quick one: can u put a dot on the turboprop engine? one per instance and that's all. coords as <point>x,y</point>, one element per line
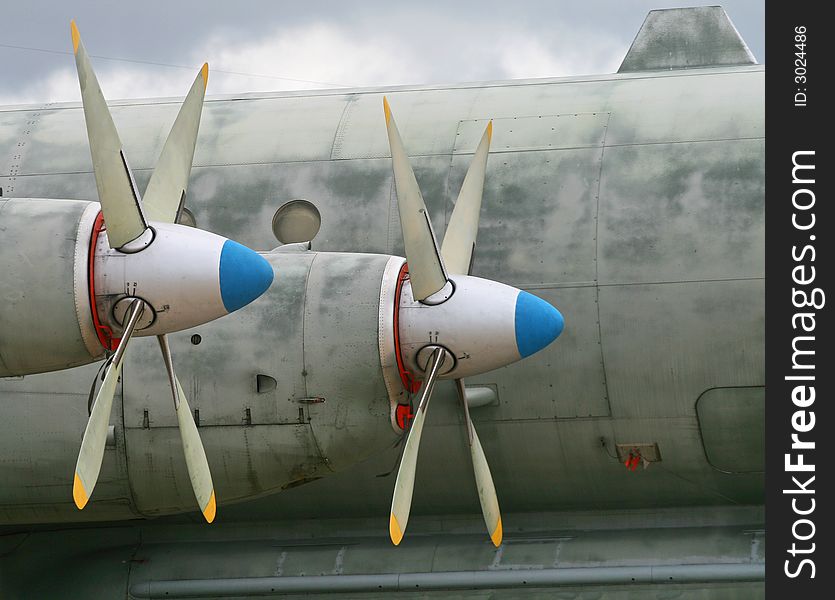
<point>449,324</point>
<point>80,279</point>
<point>64,291</point>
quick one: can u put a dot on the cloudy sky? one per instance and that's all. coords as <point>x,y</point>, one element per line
<point>145,48</point>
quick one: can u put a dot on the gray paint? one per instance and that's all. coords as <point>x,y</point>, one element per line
<point>644,229</point>
<point>449,581</point>
<point>732,422</point>
<point>39,308</point>
<point>329,408</point>
<point>686,38</point>
<point>643,224</point>
<point>646,220</point>
<point>707,546</point>
<point>44,419</point>
<point>342,358</point>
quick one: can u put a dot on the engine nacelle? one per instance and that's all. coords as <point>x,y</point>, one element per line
<point>306,386</point>
<point>46,318</point>
<point>483,325</point>
<point>64,292</point>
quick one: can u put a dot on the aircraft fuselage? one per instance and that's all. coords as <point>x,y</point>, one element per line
<point>633,202</point>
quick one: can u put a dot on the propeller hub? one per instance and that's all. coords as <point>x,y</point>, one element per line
<point>187,277</point>
<point>484,325</point>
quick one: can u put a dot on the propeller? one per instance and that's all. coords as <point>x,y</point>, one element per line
<point>478,325</point>
<point>160,277</point>
<point>426,267</point>
<point>114,179</point>
<point>95,435</point>
<point>401,503</point>
<point>198,467</point>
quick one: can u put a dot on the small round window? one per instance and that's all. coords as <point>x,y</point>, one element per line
<point>296,221</point>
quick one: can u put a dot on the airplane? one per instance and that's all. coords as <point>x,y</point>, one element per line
<point>627,455</point>
<point>156,279</point>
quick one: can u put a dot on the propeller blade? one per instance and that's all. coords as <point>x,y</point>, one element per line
<point>95,435</point>
<point>401,502</point>
<point>459,239</point>
<point>483,479</point>
<point>426,268</point>
<point>166,191</point>
<point>117,191</point>
<point>198,466</point>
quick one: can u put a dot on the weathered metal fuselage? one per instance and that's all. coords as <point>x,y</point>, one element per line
<point>633,202</point>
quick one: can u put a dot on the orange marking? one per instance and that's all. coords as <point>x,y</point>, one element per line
<point>496,536</point>
<point>211,509</point>
<point>387,110</point>
<point>205,73</point>
<point>76,38</point>
<point>394,530</point>
<point>78,493</point>
<point>489,132</point>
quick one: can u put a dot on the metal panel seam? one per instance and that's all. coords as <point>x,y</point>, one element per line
<point>339,132</point>
<point>596,267</point>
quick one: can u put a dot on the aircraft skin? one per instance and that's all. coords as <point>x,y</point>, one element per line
<point>633,202</point>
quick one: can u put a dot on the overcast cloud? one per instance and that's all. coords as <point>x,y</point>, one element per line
<point>317,44</point>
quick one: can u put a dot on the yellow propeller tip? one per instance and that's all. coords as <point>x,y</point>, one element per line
<point>78,493</point>
<point>387,109</point>
<point>496,536</point>
<point>489,131</point>
<point>205,73</point>
<point>395,532</point>
<point>76,38</point>
<point>211,509</point>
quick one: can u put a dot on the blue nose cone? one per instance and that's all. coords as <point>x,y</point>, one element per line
<point>244,275</point>
<point>537,324</point>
